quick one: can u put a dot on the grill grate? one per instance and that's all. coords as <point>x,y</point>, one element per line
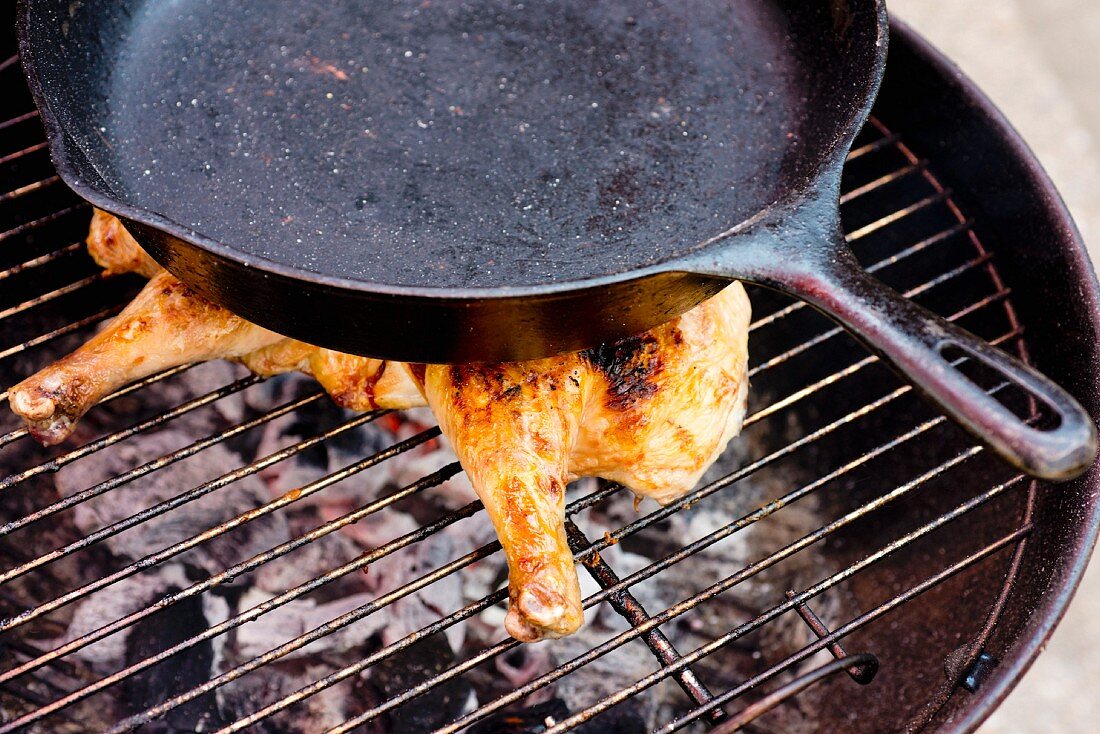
<point>895,213</point>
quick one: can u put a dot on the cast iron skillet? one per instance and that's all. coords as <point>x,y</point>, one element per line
<point>495,180</point>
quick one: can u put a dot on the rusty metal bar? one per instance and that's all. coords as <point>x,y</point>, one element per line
<point>892,547</point>
<point>882,181</point>
<point>862,620</point>
<point>789,690</point>
<point>862,673</point>
<point>41,259</point>
<point>630,609</point>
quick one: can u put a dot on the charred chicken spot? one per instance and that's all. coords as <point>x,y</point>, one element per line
<point>630,366</point>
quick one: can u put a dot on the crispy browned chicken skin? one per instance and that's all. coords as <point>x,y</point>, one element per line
<point>651,412</point>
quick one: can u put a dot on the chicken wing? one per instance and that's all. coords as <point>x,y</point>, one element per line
<point>651,411</point>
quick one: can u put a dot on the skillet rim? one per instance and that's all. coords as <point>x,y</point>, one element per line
<point>65,153</point>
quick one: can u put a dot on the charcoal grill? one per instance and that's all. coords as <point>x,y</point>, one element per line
<point>951,568</point>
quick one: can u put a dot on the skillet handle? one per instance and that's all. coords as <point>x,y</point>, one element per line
<point>913,339</point>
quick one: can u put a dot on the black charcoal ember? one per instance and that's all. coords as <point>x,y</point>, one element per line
<point>176,674</point>
<point>157,533</point>
<point>415,664</point>
<point>536,719</point>
<point>122,599</point>
<point>337,452</point>
<point>531,720</point>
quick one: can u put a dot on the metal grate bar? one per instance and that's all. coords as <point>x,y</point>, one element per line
<point>10,61</point>
<point>36,223</point>
<point>182,499</point>
<point>54,294</point>
<point>133,386</point>
<point>614,537</point>
<point>21,153</point>
<point>29,188</point>
<point>630,609</point>
<point>897,216</point>
<point>863,619</point>
<point>101,443</point>
<point>60,332</point>
<point>18,118</point>
<point>41,260</point>
<point>160,462</point>
<point>785,606</point>
<point>766,704</point>
<point>882,181</point>
<point>873,147</point>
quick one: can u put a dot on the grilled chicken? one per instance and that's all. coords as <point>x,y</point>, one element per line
<point>651,412</point>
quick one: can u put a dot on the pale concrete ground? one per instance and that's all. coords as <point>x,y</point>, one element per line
<point>1039,60</point>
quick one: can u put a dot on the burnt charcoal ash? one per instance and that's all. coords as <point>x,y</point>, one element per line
<point>159,532</point>
<point>175,674</point>
<point>538,718</point>
<point>415,664</point>
<point>299,616</point>
<point>330,707</point>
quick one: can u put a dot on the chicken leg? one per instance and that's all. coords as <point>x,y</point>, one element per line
<point>652,412</point>
<point>166,325</point>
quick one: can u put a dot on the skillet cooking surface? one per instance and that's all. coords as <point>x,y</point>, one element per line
<point>478,144</point>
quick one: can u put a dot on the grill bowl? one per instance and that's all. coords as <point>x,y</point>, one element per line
<point>929,553</point>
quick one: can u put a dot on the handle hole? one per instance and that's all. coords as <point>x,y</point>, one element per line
<point>1024,404</point>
